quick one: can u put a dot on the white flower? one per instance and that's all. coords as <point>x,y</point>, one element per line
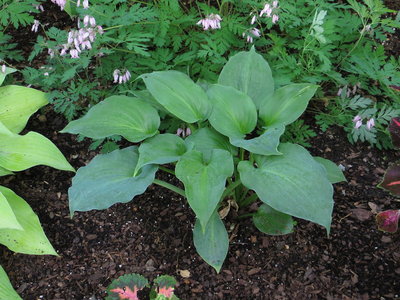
<point>370,123</point>
<point>3,68</point>
<point>35,26</point>
<point>212,21</point>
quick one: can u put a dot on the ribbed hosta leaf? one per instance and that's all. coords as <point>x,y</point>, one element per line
<point>109,179</point>
<point>17,104</point>
<point>292,183</point>
<point>129,117</point>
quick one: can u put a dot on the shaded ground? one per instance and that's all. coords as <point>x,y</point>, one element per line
<point>153,235</point>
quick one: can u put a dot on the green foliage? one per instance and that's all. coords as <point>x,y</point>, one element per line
<point>225,156</point>
<point>20,229</point>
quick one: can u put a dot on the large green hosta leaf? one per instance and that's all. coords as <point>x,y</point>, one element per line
<point>17,104</point>
<point>109,179</point>
<point>160,149</point>
<point>265,144</point>
<point>204,180</point>
<point>7,292</point>
<point>20,152</point>
<point>130,117</point>
<point>250,73</point>
<point>212,243</point>
<point>292,183</point>
<point>333,172</point>
<point>4,172</point>
<point>30,240</point>
<point>178,94</point>
<point>272,222</point>
<point>206,139</point>
<point>234,113</point>
<point>7,218</point>
<point>287,104</point>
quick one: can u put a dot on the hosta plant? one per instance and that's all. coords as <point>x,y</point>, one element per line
<point>388,220</point>
<point>20,229</point>
<point>128,286</point>
<point>232,154</point>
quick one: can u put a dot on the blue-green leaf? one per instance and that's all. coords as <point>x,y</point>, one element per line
<point>287,104</point>
<point>204,180</point>
<point>292,183</point>
<point>6,289</point>
<point>130,117</point>
<point>265,144</point>
<point>250,73</point>
<point>334,173</point>
<point>178,94</point>
<point>206,139</point>
<point>234,113</point>
<point>109,179</point>
<point>160,149</point>
<point>212,243</point>
<point>272,222</point>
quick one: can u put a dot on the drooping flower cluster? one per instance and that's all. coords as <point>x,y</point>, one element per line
<point>358,122</point>
<point>349,91</point>
<point>119,77</point>
<point>270,11</point>
<point>79,40</point>
<point>35,26</point>
<point>60,3</point>
<point>251,33</point>
<point>212,21</point>
<point>182,133</point>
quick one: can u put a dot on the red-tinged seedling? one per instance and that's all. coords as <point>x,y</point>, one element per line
<point>126,287</point>
<point>388,220</point>
<point>164,287</point>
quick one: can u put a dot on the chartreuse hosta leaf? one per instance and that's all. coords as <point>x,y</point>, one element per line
<point>3,75</point>
<point>7,218</point>
<point>17,104</point>
<point>4,172</point>
<point>20,152</point>
<point>272,222</point>
<point>250,73</point>
<point>212,243</point>
<point>204,180</point>
<point>292,183</point>
<point>126,287</point>
<point>109,179</point>
<point>6,289</point>
<point>265,144</point>
<point>30,240</point>
<point>287,104</point>
<point>130,117</point>
<point>205,139</point>
<point>160,149</point>
<point>334,173</point>
<point>234,113</point>
<point>178,94</point>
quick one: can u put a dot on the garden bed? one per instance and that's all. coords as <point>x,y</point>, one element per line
<point>152,235</point>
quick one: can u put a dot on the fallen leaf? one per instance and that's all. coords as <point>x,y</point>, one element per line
<point>184,273</point>
<point>361,214</point>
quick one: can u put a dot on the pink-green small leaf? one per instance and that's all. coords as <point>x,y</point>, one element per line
<point>388,220</point>
<point>394,129</point>
<point>126,287</point>
<point>391,180</point>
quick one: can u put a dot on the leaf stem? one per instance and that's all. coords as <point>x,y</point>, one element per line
<point>166,170</point>
<point>249,200</point>
<point>230,188</point>
<point>170,187</point>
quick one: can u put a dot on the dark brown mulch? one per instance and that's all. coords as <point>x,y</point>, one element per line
<point>152,235</point>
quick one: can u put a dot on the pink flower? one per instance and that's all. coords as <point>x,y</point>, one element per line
<point>35,26</point>
<point>370,124</point>
<point>250,34</point>
<point>212,21</point>
<point>358,124</point>
<point>3,68</point>
<point>74,53</point>
<point>275,4</point>
<point>121,78</point>
<point>253,20</point>
<point>275,18</point>
<point>357,118</point>
<point>60,3</point>
<point>85,4</point>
